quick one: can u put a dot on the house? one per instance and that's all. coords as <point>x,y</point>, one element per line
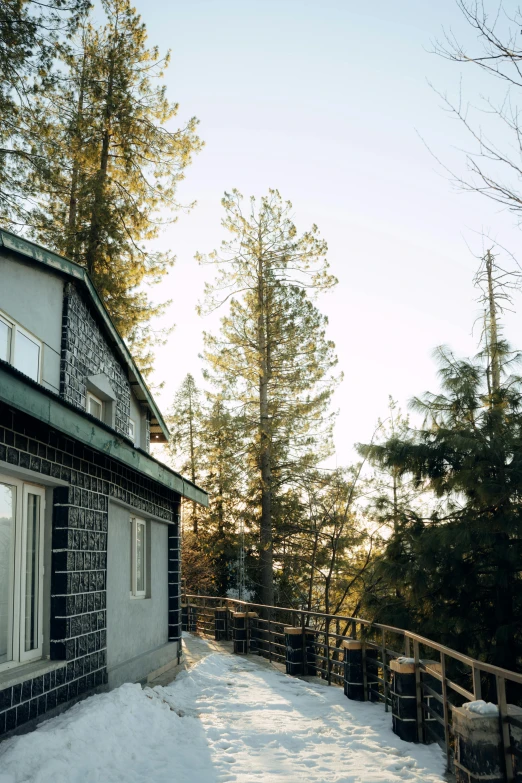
<point>89,520</point>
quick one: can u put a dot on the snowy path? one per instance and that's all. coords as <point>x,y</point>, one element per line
<point>226,719</point>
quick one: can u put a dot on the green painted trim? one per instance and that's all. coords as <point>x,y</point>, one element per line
<point>48,408</point>
<point>78,273</point>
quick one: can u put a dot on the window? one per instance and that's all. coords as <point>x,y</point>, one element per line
<point>20,348</point>
<point>139,559</point>
<point>21,571</point>
<point>132,429</point>
<point>94,406</point>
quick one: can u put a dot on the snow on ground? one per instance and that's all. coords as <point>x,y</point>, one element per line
<point>226,719</point>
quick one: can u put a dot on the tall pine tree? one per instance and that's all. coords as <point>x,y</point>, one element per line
<point>272,359</point>
<point>454,573</point>
<point>117,165</point>
<point>31,34</point>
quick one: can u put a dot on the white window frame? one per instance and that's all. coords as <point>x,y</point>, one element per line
<point>19,654</point>
<point>91,396</point>
<point>132,429</point>
<point>136,523</point>
<point>15,328</point>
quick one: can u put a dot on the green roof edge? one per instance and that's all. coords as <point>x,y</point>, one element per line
<point>26,396</point>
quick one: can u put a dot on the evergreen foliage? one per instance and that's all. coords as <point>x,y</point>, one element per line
<point>206,446</point>
<point>271,362</point>
<point>454,573</point>
<point>115,161</point>
<point>29,35</point>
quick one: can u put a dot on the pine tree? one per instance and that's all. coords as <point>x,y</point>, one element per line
<point>30,35</point>
<point>185,420</point>
<point>205,445</point>
<point>272,360</point>
<point>458,567</point>
<point>117,165</point>
<point>224,481</point>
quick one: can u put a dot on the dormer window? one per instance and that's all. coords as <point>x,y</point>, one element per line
<point>20,348</point>
<point>94,406</point>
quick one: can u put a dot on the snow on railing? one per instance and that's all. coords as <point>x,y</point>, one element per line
<point>432,699</point>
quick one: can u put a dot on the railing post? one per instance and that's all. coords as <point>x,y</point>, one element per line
<point>445,710</point>
<point>384,674</point>
<point>407,646</point>
<point>305,649</point>
<point>477,683</point>
<point>364,671</point>
<point>418,691</point>
<point>327,650</point>
<point>504,728</point>
<point>269,616</point>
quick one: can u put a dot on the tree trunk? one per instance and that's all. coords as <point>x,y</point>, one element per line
<point>493,327</point>
<point>265,457</point>
<point>71,244</point>
<point>192,464</point>
<point>312,572</point>
<point>101,177</point>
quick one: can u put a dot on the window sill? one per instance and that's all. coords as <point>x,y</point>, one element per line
<point>140,597</point>
<point>28,671</point>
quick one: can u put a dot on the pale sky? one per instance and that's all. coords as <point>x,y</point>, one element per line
<point>325,101</point>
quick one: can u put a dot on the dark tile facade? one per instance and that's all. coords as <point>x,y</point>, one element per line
<point>85,352</point>
<point>79,558</point>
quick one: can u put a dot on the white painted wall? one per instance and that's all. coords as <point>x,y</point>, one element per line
<point>33,297</point>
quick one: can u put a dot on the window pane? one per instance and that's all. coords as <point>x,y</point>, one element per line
<point>5,341</point>
<point>140,558</point>
<point>95,407</point>
<point>7,541</point>
<point>32,556</point>
<point>27,355</point>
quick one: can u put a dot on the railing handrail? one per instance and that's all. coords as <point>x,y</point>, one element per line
<point>474,663</point>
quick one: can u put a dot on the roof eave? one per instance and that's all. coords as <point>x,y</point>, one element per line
<point>27,396</point>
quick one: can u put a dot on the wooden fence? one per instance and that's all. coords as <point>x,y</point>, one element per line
<point>461,678</point>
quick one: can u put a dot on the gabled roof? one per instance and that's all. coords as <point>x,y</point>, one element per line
<point>158,428</point>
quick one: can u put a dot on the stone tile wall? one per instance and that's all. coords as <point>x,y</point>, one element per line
<point>85,352</point>
<point>79,558</point>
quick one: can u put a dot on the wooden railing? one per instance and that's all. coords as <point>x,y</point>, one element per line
<point>461,678</point>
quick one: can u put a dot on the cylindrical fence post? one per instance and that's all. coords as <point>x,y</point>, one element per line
<point>253,633</point>
<point>353,670</point>
<point>294,651</point>
<point>479,749</point>
<point>404,699</point>
<point>240,633</point>
<point>300,652</point>
<point>220,623</point>
<point>405,692</point>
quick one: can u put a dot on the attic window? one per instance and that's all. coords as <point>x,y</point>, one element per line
<point>19,348</point>
<point>94,406</point>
